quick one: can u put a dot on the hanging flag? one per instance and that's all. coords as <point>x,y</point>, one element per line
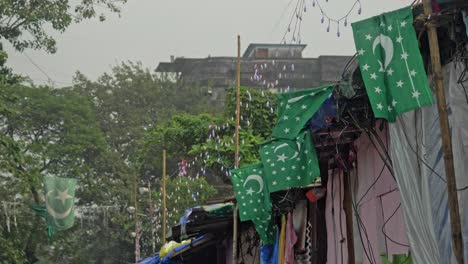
<point>59,210</point>
<point>251,192</point>
<point>266,230</point>
<point>391,64</point>
<point>60,201</point>
<point>290,163</point>
<point>296,108</point>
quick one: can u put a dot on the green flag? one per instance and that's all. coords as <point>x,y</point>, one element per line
<point>266,230</point>
<point>290,163</point>
<point>59,198</point>
<point>251,192</point>
<point>391,64</point>
<point>296,108</point>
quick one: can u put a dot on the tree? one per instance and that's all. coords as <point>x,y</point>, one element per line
<point>58,135</point>
<point>207,142</point>
<point>131,100</point>
<point>24,23</point>
<point>176,136</point>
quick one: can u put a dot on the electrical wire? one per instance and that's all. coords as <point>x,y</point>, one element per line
<point>385,223</point>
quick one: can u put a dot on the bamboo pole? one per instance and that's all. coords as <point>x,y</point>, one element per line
<point>349,217</point>
<point>164,198</point>
<point>137,231</point>
<point>151,209</point>
<point>236,155</point>
<point>446,140</point>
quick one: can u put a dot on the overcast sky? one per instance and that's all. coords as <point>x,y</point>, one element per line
<point>150,31</point>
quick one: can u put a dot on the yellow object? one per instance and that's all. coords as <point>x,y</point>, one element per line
<point>282,240</point>
<point>169,246</point>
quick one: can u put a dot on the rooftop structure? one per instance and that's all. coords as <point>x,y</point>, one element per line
<point>278,67</point>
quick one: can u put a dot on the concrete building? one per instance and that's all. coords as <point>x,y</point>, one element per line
<point>277,67</point>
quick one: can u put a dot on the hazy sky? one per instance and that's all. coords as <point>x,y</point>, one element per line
<point>151,30</point>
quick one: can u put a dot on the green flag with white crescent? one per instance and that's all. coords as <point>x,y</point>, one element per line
<point>266,230</point>
<point>391,65</point>
<point>296,108</point>
<point>290,163</point>
<point>251,192</point>
<point>60,200</point>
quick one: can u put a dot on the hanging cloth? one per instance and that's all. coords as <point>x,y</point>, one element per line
<point>291,239</point>
<point>282,240</point>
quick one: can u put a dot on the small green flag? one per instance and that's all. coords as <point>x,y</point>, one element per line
<point>59,198</point>
<point>296,108</point>
<point>391,64</point>
<point>251,192</point>
<point>290,163</point>
<point>266,230</point>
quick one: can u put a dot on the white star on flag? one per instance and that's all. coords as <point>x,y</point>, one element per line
<point>413,73</point>
<point>404,55</point>
<point>303,107</point>
<point>365,67</point>
<point>373,76</point>
<point>298,177</point>
<point>382,24</point>
<point>378,90</point>
<point>282,157</point>
<point>399,39</point>
<point>298,119</point>
<point>390,71</point>
<point>416,94</point>
<point>63,196</point>
<point>368,37</point>
<point>293,167</point>
<point>288,106</point>
<point>390,28</point>
<point>400,83</point>
<point>272,165</point>
<point>394,103</point>
<point>379,106</point>
<point>274,172</point>
<point>283,169</point>
<point>286,130</point>
<point>285,117</point>
<point>274,183</point>
<point>361,52</point>
<point>288,178</point>
<point>250,191</point>
<point>403,24</point>
<point>389,108</point>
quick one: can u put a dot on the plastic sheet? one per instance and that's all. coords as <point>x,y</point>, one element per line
<point>419,168</point>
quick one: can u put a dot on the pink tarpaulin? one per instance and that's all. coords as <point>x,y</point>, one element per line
<point>377,198</point>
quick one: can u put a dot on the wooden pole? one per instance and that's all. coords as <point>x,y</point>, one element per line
<point>349,218</point>
<point>151,210</point>
<point>164,197</point>
<point>236,155</point>
<point>446,140</point>
<point>137,230</point>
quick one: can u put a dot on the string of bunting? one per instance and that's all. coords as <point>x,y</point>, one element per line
<point>301,8</point>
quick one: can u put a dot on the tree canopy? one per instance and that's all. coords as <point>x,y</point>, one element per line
<point>28,23</point>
